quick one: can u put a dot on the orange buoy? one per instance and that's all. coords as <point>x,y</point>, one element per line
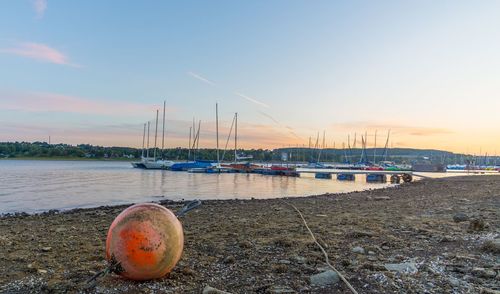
<point>146,241</point>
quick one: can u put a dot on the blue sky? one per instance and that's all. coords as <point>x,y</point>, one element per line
<point>94,72</point>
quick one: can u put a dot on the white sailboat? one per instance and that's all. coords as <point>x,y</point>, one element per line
<point>218,169</point>
<point>154,163</point>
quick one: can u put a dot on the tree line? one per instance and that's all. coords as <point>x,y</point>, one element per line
<point>398,155</point>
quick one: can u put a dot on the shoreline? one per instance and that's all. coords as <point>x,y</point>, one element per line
<point>261,246</point>
<point>69,159</point>
<point>171,202</point>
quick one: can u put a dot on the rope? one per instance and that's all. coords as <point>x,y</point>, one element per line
<point>321,247</point>
<point>188,207</point>
<point>113,267</point>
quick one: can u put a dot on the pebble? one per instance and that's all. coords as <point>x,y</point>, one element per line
<point>358,250</point>
<point>405,267</point>
<point>446,238</point>
<point>460,217</point>
<point>483,273</point>
<point>325,278</point>
<point>229,259</point>
<point>245,244</point>
<point>42,271</point>
<point>477,224</point>
<point>489,291</point>
<point>281,290</point>
<point>491,246</point>
<point>454,282</point>
<point>298,259</point>
<point>211,290</point>
<point>46,249</point>
<point>382,198</point>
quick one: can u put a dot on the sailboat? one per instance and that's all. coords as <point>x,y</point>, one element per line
<point>241,163</point>
<point>140,164</point>
<point>154,163</point>
<point>192,165</point>
<point>218,169</point>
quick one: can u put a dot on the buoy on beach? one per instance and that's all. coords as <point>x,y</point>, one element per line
<point>145,241</point>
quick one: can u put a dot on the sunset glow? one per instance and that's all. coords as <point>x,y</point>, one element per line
<point>87,72</point>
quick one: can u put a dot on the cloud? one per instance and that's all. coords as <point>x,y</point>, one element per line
<point>200,78</point>
<point>39,52</point>
<point>52,102</point>
<point>270,117</point>
<point>252,100</point>
<point>40,6</point>
<point>289,129</point>
<point>126,134</point>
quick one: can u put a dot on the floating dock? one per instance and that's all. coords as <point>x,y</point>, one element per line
<point>371,175</point>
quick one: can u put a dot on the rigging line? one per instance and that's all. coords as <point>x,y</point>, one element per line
<point>228,137</point>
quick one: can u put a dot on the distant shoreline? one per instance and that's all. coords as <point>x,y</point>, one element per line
<point>64,158</point>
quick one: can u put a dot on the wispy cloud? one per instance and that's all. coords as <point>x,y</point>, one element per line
<point>270,117</point>
<point>252,100</point>
<point>51,102</point>
<point>200,78</point>
<point>40,6</point>
<point>289,129</point>
<point>39,52</point>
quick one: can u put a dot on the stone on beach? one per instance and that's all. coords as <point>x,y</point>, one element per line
<point>325,278</point>
<point>212,290</point>
<point>492,246</point>
<point>405,267</point>
<point>460,217</point>
<point>358,250</point>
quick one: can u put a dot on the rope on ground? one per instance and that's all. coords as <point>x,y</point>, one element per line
<point>321,247</point>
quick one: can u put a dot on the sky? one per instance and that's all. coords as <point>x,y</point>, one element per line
<point>96,71</point>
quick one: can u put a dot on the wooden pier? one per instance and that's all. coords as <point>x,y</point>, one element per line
<point>372,175</point>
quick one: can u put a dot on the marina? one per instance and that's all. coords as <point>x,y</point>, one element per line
<point>267,147</point>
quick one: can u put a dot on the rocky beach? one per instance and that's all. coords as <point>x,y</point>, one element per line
<point>429,236</point>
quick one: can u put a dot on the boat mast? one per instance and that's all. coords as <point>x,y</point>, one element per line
<point>235,137</point>
<point>198,136</point>
<point>310,153</point>
<point>349,146</point>
<point>217,131</point>
<point>386,145</point>
<point>317,142</point>
<point>375,148</point>
<point>196,141</point>
<point>189,146</point>
<point>147,150</point>
<point>345,154</point>
<point>362,149</point>
<point>156,133</point>
<point>163,134</point>
<point>143,138</point>
<point>323,146</point>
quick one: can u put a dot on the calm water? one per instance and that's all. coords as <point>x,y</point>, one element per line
<point>34,186</point>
